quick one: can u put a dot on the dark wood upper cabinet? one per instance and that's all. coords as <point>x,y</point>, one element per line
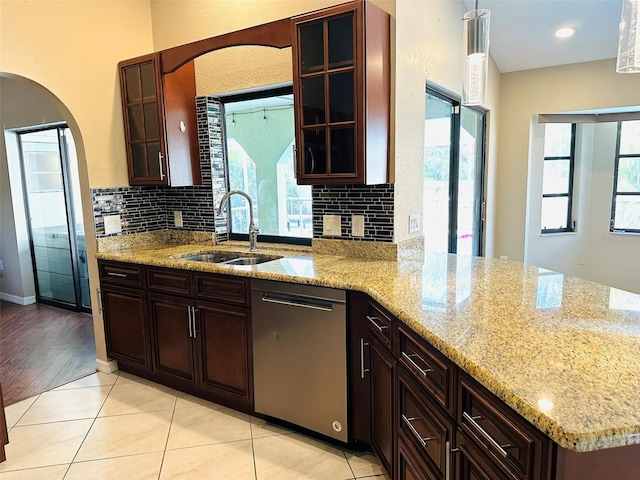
<point>341,80</point>
<point>341,95</point>
<point>160,123</point>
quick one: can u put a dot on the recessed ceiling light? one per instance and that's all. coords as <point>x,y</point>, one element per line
<point>565,32</point>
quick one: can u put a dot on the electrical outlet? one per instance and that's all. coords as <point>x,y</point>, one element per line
<point>1,266</point>
<point>331,225</point>
<point>177,218</point>
<point>414,223</point>
<point>504,257</point>
<point>112,224</point>
<point>357,225</point>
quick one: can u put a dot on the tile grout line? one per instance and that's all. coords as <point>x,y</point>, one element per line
<point>344,454</point>
<point>166,443</point>
<point>23,413</point>
<point>253,451</point>
<point>92,424</point>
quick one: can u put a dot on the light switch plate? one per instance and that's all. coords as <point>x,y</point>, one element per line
<point>414,223</point>
<point>177,218</point>
<point>112,224</point>
<point>331,225</point>
<point>357,225</point>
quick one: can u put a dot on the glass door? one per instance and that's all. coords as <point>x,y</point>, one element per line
<point>328,92</point>
<point>453,176</point>
<point>52,196</point>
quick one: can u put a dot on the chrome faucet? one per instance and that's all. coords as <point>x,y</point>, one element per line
<point>253,228</point>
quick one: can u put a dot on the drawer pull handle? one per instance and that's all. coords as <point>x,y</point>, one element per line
<point>115,274</point>
<point>483,432</point>
<point>375,324</point>
<point>420,438</point>
<point>415,365</point>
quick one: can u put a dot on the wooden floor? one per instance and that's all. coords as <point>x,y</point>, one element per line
<point>42,347</point>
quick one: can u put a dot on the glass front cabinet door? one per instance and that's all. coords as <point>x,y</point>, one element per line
<point>160,123</point>
<point>341,84</point>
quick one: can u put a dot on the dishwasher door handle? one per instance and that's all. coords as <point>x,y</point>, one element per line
<point>294,301</point>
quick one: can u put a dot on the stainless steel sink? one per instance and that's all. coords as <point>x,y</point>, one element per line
<point>232,259</point>
<point>210,257</point>
<point>248,261</point>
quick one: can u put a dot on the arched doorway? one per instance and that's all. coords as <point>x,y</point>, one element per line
<point>29,107</point>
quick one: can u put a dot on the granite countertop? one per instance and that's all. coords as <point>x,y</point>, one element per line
<point>563,352</point>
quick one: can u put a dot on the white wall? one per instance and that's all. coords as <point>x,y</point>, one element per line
<point>565,88</point>
<point>23,105</point>
<point>429,48</point>
<point>563,252</point>
<point>592,252</point>
<point>612,258</point>
<point>70,50</point>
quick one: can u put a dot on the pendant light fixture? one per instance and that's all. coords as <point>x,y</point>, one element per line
<point>629,43</point>
<point>476,56</point>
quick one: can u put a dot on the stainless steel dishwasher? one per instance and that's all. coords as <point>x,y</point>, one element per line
<point>300,355</point>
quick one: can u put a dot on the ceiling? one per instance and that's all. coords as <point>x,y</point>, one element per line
<point>521,31</point>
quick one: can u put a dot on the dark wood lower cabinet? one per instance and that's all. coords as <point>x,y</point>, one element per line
<point>423,417</point>
<point>473,464</point>
<point>169,331</point>
<point>409,467</point>
<point>172,343</point>
<point>125,322</point>
<point>223,334</point>
<point>382,402</point>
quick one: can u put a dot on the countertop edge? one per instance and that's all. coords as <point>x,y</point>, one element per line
<point>578,442</point>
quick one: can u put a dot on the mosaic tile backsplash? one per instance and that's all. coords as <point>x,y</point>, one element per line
<point>146,209</point>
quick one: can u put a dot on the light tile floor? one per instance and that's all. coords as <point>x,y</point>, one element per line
<point>119,426</point>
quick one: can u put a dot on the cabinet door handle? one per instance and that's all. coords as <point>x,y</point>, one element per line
<point>295,160</point>
<point>423,371</point>
<point>160,158</point>
<point>189,321</point>
<point>313,160</point>
<point>415,432</point>
<point>447,459</point>
<point>362,369</point>
<point>472,421</point>
<point>193,321</point>
<point>100,305</point>
<point>115,274</point>
<point>375,324</point>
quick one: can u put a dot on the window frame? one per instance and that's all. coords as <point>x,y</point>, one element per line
<point>615,191</point>
<point>571,224</point>
<point>454,169</point>
<point>238,97</point>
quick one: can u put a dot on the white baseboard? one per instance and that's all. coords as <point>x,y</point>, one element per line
<point>16,299</point>
<point>106,367</point>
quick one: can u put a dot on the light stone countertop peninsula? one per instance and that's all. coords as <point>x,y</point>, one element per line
<point>563,352</point>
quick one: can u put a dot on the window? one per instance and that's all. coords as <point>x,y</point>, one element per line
<point>453,175</point>
<point>259,141</point>
<point>557,178</point>
<point>625,210</point>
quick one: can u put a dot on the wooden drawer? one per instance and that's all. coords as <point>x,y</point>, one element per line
<point>223,288</point>
<point>430,368</point>
<point>409,466</point>
<point>169,281</point>
<point>422,425</point>
<point>510,441</point>
<point>380,324</point>
<point>128,274</point>
<point>472,464</point>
